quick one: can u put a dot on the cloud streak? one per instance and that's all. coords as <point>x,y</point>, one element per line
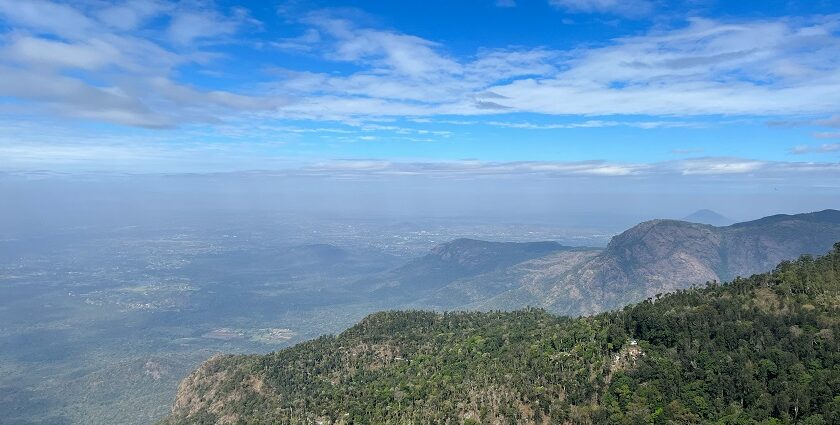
<point>696,167</point>
<point>627,8</point>
<point>824,148</point>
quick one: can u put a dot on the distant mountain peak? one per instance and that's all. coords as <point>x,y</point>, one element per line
<point>707,216</point>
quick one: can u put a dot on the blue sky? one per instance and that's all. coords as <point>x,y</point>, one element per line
<point>550,87</point>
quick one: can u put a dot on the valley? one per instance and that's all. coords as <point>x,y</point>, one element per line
<point>99,324</point>
<point>494,212</point>
<point>119,318</point>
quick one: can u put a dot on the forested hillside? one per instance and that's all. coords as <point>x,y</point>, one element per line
<point>761,350</point>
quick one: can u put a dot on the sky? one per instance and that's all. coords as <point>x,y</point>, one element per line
<point>719,92</point>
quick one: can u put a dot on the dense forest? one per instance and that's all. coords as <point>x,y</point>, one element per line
<point>757,350</point>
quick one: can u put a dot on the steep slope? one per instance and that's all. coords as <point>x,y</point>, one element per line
<point>451,261</point>
<point>661,256</point>
<point>759,350</point>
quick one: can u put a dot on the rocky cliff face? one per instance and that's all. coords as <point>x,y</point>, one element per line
<point>665,255</point>
<point>654,257</point>
<point>204,395</point>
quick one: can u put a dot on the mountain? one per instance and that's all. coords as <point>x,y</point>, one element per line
<point>761,350</point>
<point>661,256</point>
<point>451,261</point>
<point>472,291</point>
<point>705,216</point>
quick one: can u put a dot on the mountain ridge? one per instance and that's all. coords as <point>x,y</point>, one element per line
<point>454,260</point>
<point>660,256</point>
<point>655,256</point>
<point>755,350</point>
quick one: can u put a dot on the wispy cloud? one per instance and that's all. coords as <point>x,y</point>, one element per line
<point>123,63</point>
<point>303,42</point>
<point>106,62</point>
<point>629,8</point>
<point>696,167</point>
<point>474,168</point>
<point>827,135</point>
<point>596,124</point>
<point>717,166</point>
<point>824,148</point>
<point>831,121</point>
<point>705,68</point>
<point>243,145</point>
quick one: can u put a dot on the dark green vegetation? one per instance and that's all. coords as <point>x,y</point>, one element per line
<point>761,350</point>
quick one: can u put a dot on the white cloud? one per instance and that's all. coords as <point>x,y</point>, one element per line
<point>400,53</point>
<point>774,67</point>
<point>827,135</point>
<point>46,16</point>
<point>401,72</point>
<point>594,124</point>
<point>630,8</point>
<point>132,14</point>
<point>87,55</point>
<point>706,68</point>
<point>96,51</point>
<point>717,166</point>
<point>100,62</point>
<point>705,167</point>
<point>303,42</point>
<point>187,27</point>
<point>243,145</point>
<point>824,148</point>
<point>477,168</point>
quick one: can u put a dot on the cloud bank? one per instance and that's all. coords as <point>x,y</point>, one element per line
<point>124,63</point>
